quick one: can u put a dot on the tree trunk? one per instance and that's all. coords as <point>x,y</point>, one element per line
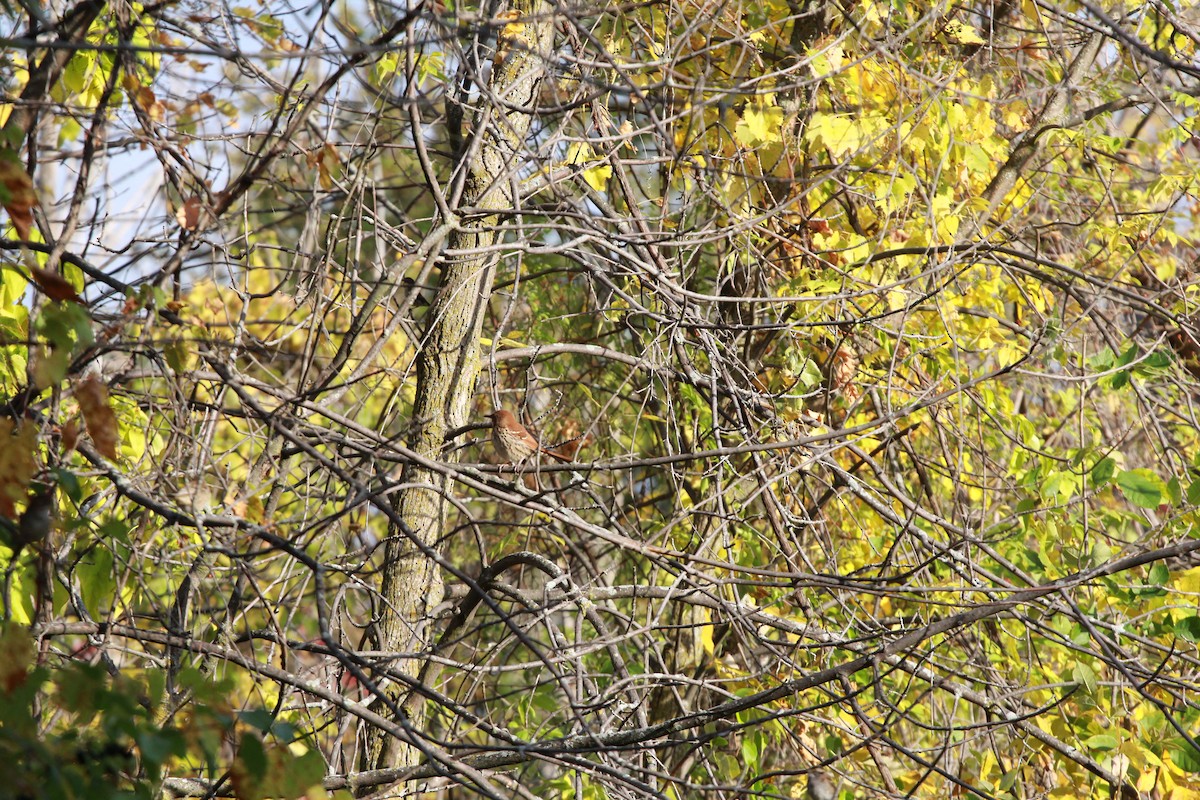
<point>448,361</point>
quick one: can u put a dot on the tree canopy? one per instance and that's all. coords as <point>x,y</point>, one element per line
<point>869,331</point>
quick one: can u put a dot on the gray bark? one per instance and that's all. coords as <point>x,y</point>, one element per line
<point>449,359</point>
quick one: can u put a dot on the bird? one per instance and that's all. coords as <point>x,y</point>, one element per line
<point>821,787</point>
<point>35,522</point>
<point>513,442</point>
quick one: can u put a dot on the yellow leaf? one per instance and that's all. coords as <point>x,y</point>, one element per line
<point>1013,118</point>
<point>597,177</point>
<point>987,764</point>
<point>1188,581</point>
<point>844,134</point>
<point>963,34</point>
<point>827,60</point>
<point>580,153</point>
<point>706,639</point>
<point>512,30</point>
<point>835,131</point>
<point>761,123</point>
<point>21,597</point>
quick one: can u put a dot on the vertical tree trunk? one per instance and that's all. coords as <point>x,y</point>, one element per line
<point>448,362</point>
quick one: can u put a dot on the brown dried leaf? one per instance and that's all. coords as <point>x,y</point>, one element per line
<point>842,372</point>
<point>98,416</point>
<point>16,657</point>
<point>70,436</point>
<point>55,286</point>
<point>327,166</point>
<point>148,101</point>
<point>16,192</point>
<point>188,214</point>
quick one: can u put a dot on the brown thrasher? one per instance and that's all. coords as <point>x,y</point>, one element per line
<point>513,442</point>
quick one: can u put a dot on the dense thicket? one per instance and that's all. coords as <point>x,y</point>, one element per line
<point>870,329</point>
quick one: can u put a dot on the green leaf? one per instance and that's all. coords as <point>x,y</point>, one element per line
<point>1101,741</point>
<point>157,746</point>
<point>750,750</point>
<point>1146,592</point>
<point>1080,637</point>
<point>1103,361</point>
<point>1084,675</point>
<point>385,69</point>
<point>1103,471</point>
<point>275,771</point>
<point>1184,756</point>
<point>116,530</point>
<point>1188,628</point>
<point>1142,487</point>
<point>253,756</point>
<point>258,718</point>
<point>1174,491</point>
<point>97,582</point>
<point>75,75</point>
<point>305,772</point>
<point>1057,486</point>
<point>69,483</point>
<point>1156,361</point>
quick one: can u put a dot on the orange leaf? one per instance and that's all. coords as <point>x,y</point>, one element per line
<point>98,416</point>
<point>16,192</point>
<point>55,286</point>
